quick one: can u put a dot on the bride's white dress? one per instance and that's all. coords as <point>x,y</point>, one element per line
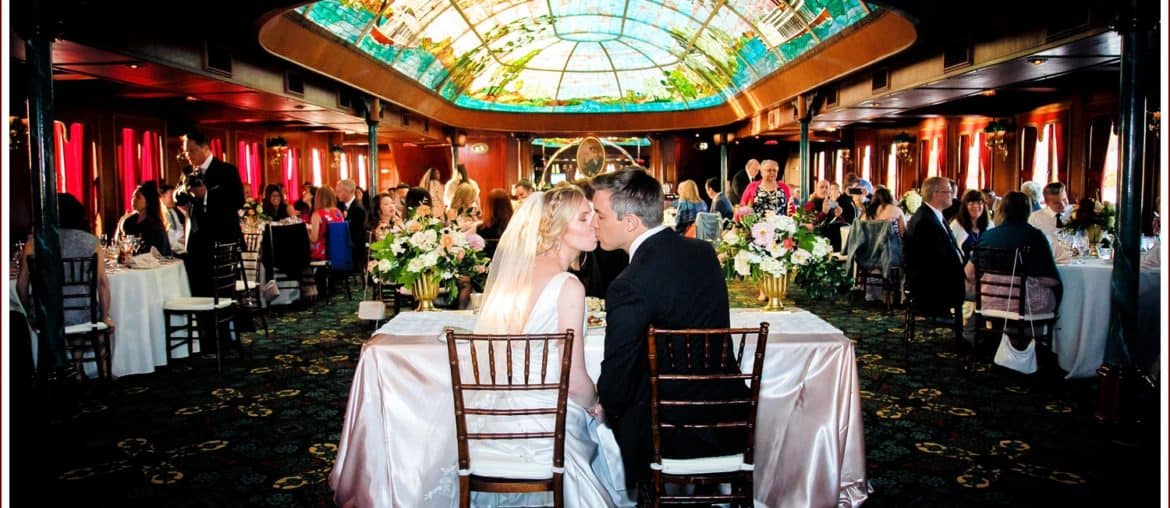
<point>592,465</point>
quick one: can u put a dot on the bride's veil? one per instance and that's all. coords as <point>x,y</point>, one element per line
<point>508,292</point>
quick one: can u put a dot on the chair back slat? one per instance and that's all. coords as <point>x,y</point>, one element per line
<point>464,350</point>
<point>680,382</point>
<point>1000,275</point>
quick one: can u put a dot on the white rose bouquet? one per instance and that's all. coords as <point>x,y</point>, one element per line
<point>771,246</point>
<point>425,246</point>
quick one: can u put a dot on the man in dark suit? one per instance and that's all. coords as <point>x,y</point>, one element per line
<point>741,179</point>
<point>217,196</point>
<point>934,264</point>
<point>355,215</point>
<point>671,282</point>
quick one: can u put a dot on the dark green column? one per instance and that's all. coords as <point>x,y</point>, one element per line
<point>372,119</point>
<point>805,158</point>
<point>47,279</point>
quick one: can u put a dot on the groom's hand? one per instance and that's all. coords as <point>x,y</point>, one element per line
<point>597,412</point>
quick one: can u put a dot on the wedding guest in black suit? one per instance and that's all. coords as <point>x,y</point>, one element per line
<point>741,179</point>
<point>355,215</point>
<point>216,205</point>
<point>934,264</point>
<point>671,282</point>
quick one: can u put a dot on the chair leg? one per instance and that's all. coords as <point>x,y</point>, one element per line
<point>558,490</point>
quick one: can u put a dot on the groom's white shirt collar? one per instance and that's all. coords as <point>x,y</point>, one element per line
<point>642,237</point>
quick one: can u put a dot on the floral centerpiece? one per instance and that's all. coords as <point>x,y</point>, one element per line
<point>425,252</point>
<point>910,202</point>
<point>770,250</point>
<point>253,211</point>
<point>1094,218</point>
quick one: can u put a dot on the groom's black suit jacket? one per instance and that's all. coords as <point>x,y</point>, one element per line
<point>673,283</point>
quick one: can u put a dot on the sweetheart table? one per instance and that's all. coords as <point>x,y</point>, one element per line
<point>398,445</point>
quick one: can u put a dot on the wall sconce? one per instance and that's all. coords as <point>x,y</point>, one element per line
<point>902,142</point>
<point>461,139</point>
<point>996,133</point>
<point>335,154</point>
<point>717,138</point>
<point>277,149</point>
<point>1154,124</point>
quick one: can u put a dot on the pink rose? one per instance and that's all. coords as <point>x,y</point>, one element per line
<point>475,241</point>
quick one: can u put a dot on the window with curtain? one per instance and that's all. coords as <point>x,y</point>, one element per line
<point>216,146</point>
<point>361,167</point>
<point>343,165</point>
<point>821,157</point>
<point>249,166</point>
<point>1046,159</point>
<point>840,166</point>
<point>139,160</point>
<point>932,161</point>
<point>865,163</point>
<point>69,148</point>
<point>974,166</point>
<point>892,169</point>
<point>291,175</point>
<point>1109,172</point>
<point>316,164</point>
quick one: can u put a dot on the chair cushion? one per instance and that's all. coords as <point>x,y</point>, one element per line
<point>196,303</point>
<point>1015,316</point>
<point>86,328</point>
<point>515,469</point>
<point>703,465</point>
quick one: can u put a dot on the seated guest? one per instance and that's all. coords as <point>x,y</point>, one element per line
<point>883,208</point>
<point>1034,192</point>
<point>146,221</point>
<point>971,222</point>
<point>495,219</point>
<point>689,205</point>
<point>991,204</point>
<point>719,202</point>
<point>464,205</point>
<point>76,241</point>
<point>1012,232</point>
<point>304,207</point>
<point>1055,212</point>
<point>816,202</point>
<point>384,215</point>
<point>325,211</point>
<point>839,214</point>
<point>950,212</point>
<point>934,264</point>
<point>275,206</point>
<point>176,219</point>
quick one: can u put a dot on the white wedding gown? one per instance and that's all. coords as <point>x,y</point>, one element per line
<point>592,466</point>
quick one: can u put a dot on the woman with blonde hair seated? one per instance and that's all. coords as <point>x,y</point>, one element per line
<point>689,205</point>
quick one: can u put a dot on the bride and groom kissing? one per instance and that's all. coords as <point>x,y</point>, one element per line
<point>671,282</point>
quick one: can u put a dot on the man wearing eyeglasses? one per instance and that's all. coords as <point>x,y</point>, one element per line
<point>934,264</point>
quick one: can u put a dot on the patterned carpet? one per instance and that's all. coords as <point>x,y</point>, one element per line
<point>264,432</point>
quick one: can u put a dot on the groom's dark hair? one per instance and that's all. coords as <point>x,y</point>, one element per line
<point>633,191</point>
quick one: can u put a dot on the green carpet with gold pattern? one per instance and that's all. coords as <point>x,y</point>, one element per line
<point>264,432</point>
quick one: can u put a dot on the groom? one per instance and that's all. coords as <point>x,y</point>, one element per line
<point>671,282</point>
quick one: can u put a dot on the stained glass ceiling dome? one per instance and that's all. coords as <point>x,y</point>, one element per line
<point>585,56</point>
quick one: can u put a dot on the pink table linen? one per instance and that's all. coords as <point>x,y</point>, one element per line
<point>397,444</point>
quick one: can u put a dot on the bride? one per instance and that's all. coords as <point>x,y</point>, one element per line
<point>529,290</point>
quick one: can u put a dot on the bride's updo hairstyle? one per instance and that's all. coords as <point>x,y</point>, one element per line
<point>560,205</point>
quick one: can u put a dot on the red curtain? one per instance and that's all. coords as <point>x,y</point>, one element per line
<point>128,163</point>
<point>291,163</point>
<point>216,146</point>
<point>1057,162</point>
<point>250,165</point>
<point>149,159</point>
<point>69,147</point>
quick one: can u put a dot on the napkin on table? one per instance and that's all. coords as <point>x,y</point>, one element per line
<point>144,261</point>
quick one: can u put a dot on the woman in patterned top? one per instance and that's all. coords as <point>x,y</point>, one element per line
<point>771,194</point>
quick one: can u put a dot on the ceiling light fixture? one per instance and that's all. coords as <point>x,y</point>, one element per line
<point>1037,60</point>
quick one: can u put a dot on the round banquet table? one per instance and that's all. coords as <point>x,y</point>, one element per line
<point>136,300</point>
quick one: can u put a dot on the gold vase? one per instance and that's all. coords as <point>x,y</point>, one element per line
<point>426,288</point>
<point>1093,233</point>
<point>775,289</point>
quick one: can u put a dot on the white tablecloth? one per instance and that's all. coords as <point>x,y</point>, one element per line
<point>136,300</point>
<point>1083,322</point>
<point>399,426</point>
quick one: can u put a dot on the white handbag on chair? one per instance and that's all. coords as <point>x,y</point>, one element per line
<point>1006,355</point>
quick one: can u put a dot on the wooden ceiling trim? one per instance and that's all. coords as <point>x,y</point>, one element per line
<point>886,35</point>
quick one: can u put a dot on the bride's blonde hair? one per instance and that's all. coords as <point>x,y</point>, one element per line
<point>534,229</point>
<point>560,205</point>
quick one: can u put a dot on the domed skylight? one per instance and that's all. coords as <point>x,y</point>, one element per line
<point>585,56</point>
